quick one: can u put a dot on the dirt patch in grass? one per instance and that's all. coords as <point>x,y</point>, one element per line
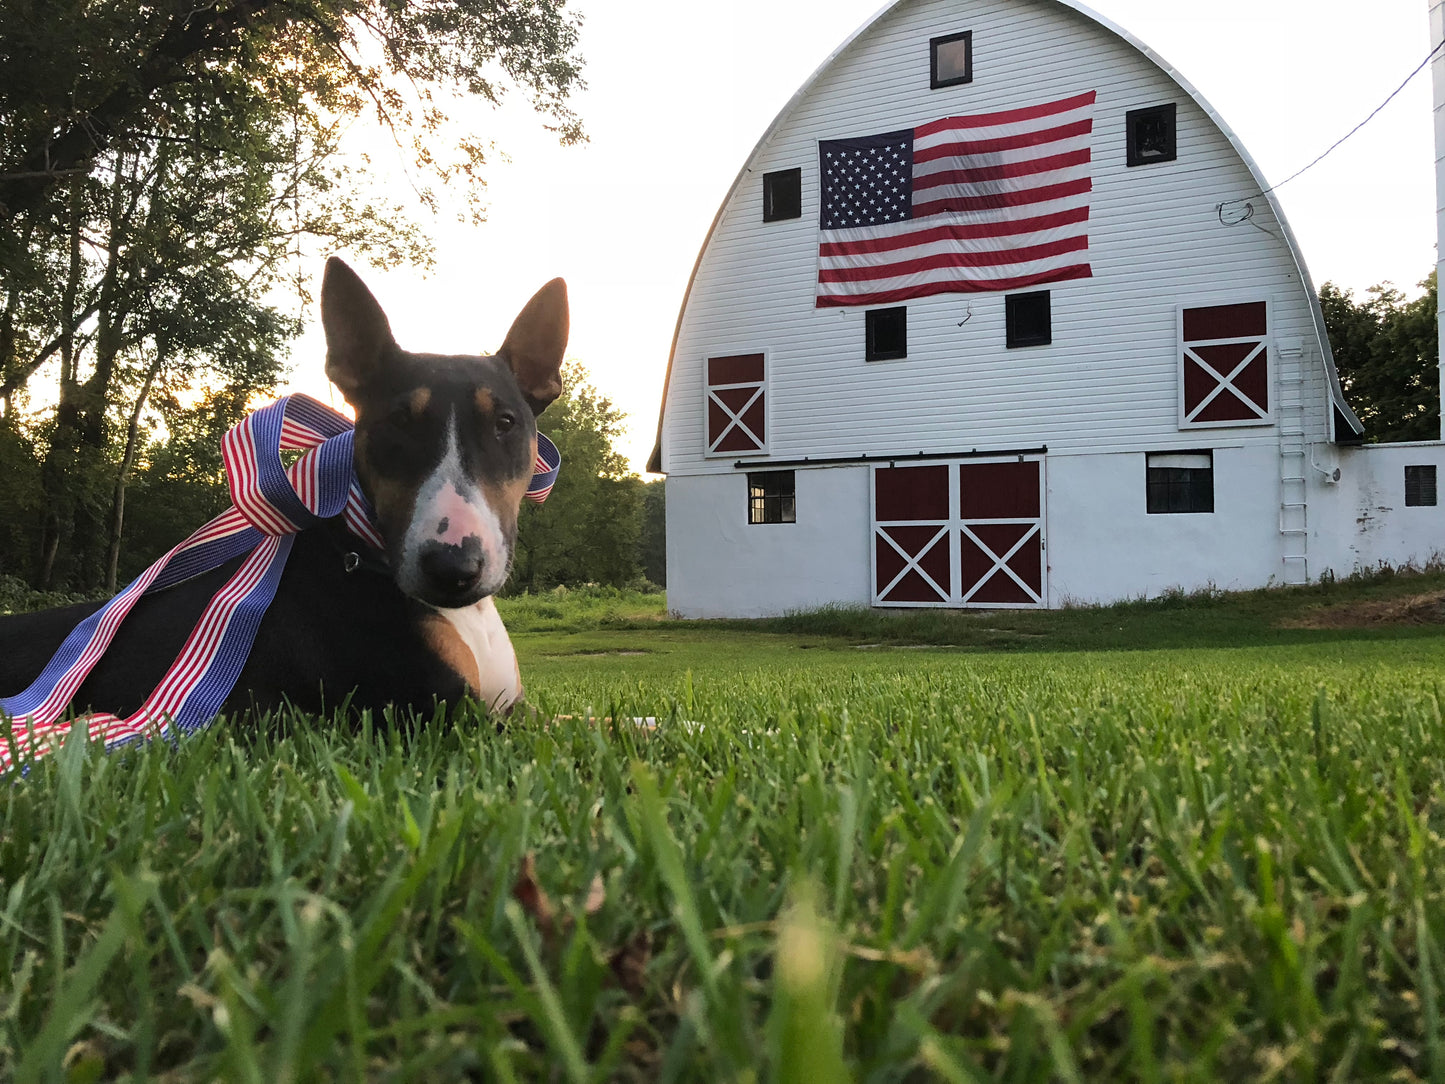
<point>590,654</point>
<point>1420,609</point>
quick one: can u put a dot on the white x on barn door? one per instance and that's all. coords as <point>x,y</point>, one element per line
<point>735,406</point>
<point>1224,375</point>
<point>734,433</point>
<point>967,533</point>
<point>1215,361</point>
<point>912,539</point>
<point>1001,533</point>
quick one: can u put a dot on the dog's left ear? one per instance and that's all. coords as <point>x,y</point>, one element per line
<point>358,335</point>
<point>535,345</point>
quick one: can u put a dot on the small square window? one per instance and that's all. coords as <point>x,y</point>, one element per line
<point>772,497</point>
<point>1027,319</point>
<point>886,331</point>
<point>1420,486</point>
<point>950,60</point>
<point>782,195</point>
<point>1179,482</point>
<point>1150,135</point>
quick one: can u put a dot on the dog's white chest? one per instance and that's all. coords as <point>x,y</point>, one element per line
<point>480,628</point>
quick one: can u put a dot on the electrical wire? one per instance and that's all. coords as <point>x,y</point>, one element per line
<point>1219,208</point>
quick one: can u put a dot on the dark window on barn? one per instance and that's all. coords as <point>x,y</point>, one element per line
<point>1150,135</point>
<point>772,497</point>
<point>782,195</point>
<point>1180,482</point>
<point>886,334</point>
<point>1027,320</point>
<point>950,60</point>
<point>1420,485</point>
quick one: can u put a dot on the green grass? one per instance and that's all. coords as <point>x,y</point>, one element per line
<point>828,862</point>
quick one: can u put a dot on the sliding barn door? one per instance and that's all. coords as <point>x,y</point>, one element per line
<point>967,533</point>
<point>1001,533</point>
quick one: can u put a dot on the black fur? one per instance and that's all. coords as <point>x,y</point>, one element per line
<point>298,657</point>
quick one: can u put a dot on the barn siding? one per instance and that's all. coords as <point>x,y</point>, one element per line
<point>1100,396</point>
<point>1108,381</point>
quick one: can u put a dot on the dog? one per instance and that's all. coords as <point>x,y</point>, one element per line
<point>444,449</point>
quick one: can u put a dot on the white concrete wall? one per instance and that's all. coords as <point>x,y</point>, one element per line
<point>1363,522</point>
<point>1129,553</point>
<point>719,565</point>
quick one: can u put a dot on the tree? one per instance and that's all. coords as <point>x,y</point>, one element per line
<point>652,544</point>
<point>159,161</point>
<point>83,79</point>
<point>1387,352</point>
<point>587,530</point>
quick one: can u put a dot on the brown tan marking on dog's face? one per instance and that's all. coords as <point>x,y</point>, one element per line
<point>445,444</point>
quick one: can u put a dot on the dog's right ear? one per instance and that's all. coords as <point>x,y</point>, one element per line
<point>357,331</point>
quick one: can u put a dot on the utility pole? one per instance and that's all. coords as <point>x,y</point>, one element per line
<point>1437,78</point>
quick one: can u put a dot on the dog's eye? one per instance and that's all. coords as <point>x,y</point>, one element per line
<point>505,422</point>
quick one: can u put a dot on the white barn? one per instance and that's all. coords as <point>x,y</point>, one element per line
<point>998,314</point>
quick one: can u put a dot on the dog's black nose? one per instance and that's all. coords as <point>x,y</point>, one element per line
<point>452,568</point>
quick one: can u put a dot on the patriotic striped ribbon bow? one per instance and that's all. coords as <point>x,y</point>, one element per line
<point>270,504</point>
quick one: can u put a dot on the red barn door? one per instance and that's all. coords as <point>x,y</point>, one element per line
<point>1001,533</point>
<point>912,551</point>
<point>967,533</point>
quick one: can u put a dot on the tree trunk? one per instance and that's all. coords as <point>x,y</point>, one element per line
<point>57,473</point>
<point>122,476</point>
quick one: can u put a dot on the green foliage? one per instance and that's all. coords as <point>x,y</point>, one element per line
<point>588,528</point>
<point>160,164</point>
<point>652,541</point>
<point>17,597</point>
<point>179,482</point>
<point>1387,351</point>
<point>21,499</point>
<point>824,865</point>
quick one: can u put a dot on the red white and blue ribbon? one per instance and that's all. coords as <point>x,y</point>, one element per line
<point>270,504</point>
<point>544,473</point>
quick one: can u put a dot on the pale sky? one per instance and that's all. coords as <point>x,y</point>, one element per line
<point>679,93</point>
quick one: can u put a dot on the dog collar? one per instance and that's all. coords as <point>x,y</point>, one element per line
<point>271,503</point>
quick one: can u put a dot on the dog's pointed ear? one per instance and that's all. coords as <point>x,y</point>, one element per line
<point>357,331</point>
<point>535,345</point>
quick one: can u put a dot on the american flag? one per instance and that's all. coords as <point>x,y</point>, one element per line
<point>996,201</point>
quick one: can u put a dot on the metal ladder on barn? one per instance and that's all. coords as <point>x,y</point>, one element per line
<point>1294,527</point>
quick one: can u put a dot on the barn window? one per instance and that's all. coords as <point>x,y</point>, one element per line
<point>1420,486</point>
<point>772,497</point>
<point>1224,365</point>
<point>950,60</point>
<point>1027,320</point>
<point>886,334</point>
<point>1150,135</point>
<point>736,404</point>
<point>782,195</point>
<point>1179,482</point>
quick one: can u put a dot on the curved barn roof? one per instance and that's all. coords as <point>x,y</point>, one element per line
<point>1344,416</point>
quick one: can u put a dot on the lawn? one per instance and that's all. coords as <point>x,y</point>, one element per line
<point>1194,839</point>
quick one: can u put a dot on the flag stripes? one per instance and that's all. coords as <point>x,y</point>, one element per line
<point>995,201</point>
